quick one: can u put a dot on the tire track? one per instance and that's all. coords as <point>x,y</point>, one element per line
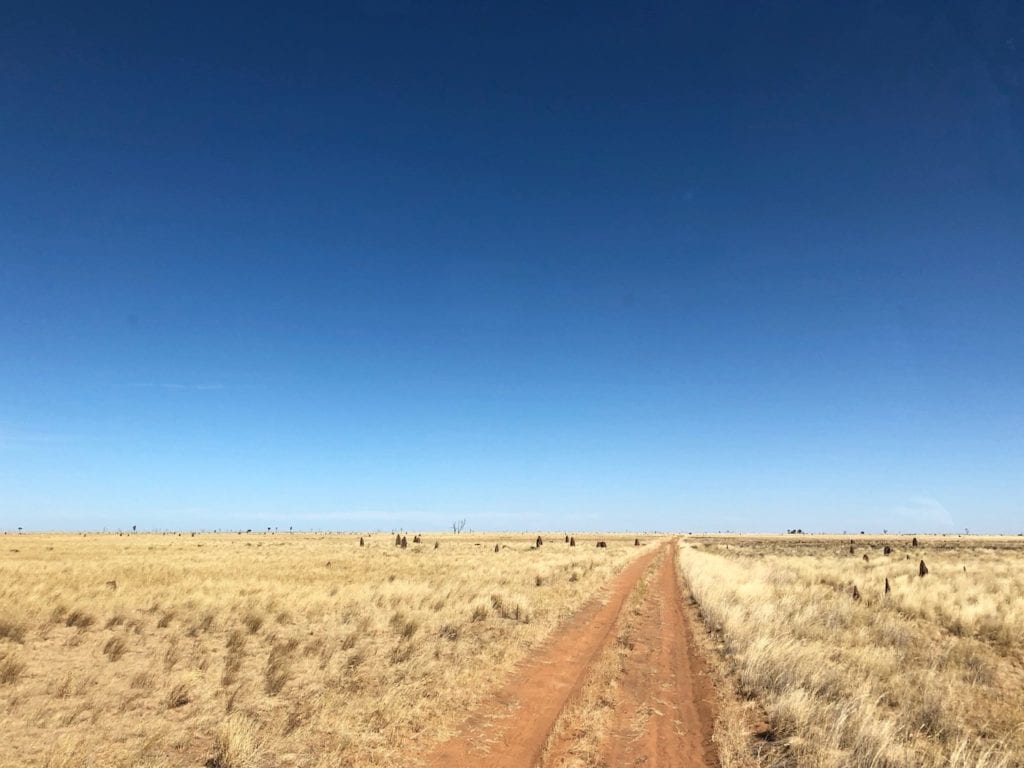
<point>509,729</point>
<point>665,715</point>
<point>664,712</point>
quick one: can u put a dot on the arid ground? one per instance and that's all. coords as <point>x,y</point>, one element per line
<point>258,650</point>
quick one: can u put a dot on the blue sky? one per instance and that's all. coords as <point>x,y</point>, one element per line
<point>646,266</point>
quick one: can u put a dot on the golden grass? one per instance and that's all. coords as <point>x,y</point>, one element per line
<point>262,650</point>
<point>930,675</point>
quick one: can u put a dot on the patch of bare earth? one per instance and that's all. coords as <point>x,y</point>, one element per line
<point>664,700</point>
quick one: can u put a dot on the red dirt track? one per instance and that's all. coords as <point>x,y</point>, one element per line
<point>666,680</point>
<point>664,714</point>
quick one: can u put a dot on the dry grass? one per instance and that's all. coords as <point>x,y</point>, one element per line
<point>238,743</point>
<point>12,630</point>
<point>250,651</point>
<point>114,648</point>
<point>10,669</point>
<point>930,675</point>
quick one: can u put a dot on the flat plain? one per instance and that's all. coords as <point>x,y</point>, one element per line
<point>269,649</point>
<point>841,653</point>
<point>251,650</point>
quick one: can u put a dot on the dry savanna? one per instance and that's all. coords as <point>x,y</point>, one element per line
<point>264,650</point>
<point>887,652</point>
<point>271,649</point>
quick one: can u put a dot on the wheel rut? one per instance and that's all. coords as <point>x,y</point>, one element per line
<point>663,717</point>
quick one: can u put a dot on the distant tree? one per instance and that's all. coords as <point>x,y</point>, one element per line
<point>458,526</point>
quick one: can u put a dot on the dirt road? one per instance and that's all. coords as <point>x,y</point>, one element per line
<point>664,712</point>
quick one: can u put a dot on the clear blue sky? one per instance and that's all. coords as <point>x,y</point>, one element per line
<point>645,266</point>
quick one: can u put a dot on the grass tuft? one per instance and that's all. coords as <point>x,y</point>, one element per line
<point>12,630</point>
<point>238,743</point>
<point>114,648</point>
<point>252,622</point>
<point>79,619</point>
<point>278,669</point>
<point>178,696</point>
<point>11,670</point>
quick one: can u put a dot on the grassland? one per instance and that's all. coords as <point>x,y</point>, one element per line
<point>930,674</point>
<point>268,649</point>
<point>259,650</point>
